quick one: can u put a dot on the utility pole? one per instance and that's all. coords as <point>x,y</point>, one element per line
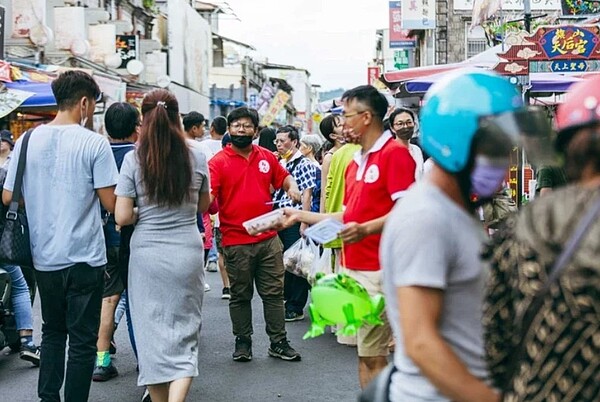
<point>521,152</point>
<point>527,17</point>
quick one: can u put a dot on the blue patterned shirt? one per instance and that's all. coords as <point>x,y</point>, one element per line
<point>305,174</point>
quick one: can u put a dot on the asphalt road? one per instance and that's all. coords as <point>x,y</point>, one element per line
<point>327,372</point>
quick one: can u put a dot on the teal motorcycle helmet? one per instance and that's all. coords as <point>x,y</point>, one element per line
<point>455,109</point>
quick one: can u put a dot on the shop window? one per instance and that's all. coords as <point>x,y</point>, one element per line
<point>476,41</point>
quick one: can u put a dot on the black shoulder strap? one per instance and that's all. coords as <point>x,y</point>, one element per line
<point>18,185</point>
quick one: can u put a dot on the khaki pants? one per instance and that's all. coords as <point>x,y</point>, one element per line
<point>260,264</point>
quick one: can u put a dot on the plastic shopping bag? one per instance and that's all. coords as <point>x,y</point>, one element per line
<point>300,257</point>
<point>323,264</point>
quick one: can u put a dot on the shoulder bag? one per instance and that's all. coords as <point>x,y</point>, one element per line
<point>15,247</point>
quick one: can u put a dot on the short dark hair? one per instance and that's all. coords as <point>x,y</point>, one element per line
<point>399,110</point>
<point>192,119</point>
<point>327,125</point>
<point>120,120</point>
<point>71,86</point>
<point>369,96</point>
<point>266,138</point>
<point>243,112</point>
<point>291,131</point>
<point>219,124</point>
<point>225,140</point>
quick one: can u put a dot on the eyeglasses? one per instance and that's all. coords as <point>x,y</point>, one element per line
<point>344,116</point>
<point>277,141</point>
<point>407,123</point>
<point>237,126</point>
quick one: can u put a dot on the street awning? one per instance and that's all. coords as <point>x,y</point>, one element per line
<point>540,83</point>
<point>42,93</point>
<point>486,60</point>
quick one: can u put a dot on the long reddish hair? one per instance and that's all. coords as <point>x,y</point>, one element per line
<point>162,150</point>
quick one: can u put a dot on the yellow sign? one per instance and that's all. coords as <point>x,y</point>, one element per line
<point>278,102</point>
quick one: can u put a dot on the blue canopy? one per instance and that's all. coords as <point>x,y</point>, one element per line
<point>540,82</point>
<point>43,96</point>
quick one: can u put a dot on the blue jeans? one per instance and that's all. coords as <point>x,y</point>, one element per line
<point>71,301</point>
<point>20,297</point>
<point>123,309</point>
<point>212,254</point>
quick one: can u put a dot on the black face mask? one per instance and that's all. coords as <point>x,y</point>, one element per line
<point>241,141</point>
<point>405,133</point>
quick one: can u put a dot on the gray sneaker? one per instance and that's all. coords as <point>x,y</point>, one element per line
<point>102,374</point>
<point>284,351</point>
<point>211,266</point>
<point>30,353</point>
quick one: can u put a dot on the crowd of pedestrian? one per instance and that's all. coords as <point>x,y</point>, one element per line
<point>144,213</point>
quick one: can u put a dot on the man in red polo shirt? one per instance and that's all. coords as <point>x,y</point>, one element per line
<point>377,177</point>
<point>242,176</point>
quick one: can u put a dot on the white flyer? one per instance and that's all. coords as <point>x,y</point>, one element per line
<point>325,231</point>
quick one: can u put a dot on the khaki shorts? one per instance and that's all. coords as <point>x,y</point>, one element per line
<point>372,340</point>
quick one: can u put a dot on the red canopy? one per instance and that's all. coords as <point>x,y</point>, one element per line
<point>487,59</point>
<point>419,72</point>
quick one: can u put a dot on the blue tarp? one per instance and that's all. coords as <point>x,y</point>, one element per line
<point>227,102</point>
<point>43,96</point>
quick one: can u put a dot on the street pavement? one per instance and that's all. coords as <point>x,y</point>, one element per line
<point>327,372</point>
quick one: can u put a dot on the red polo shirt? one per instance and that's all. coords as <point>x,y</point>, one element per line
<point>243,187</point>
<point>374,182</point>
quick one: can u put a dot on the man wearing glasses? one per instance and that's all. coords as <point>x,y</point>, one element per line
<point>241,180</point>
<point>379,174</point>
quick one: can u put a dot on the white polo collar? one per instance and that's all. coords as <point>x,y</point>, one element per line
<point>361,158</point>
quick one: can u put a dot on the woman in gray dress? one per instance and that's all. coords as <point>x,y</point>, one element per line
<point>162,185</point>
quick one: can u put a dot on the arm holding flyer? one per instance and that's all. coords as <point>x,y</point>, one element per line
<point>323,226</point>
<point>351,232</point>
<point>355,232</point>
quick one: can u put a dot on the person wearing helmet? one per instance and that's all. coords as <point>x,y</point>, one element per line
<point>433,276</point>
<point>542,335</point>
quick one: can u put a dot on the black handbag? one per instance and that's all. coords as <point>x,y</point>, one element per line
<point>15,247</point>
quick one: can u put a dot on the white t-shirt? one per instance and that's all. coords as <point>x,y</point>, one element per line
<point>427,166</point>
<point>417,155</point>
<point>211,147</point>
<point>430,241</point>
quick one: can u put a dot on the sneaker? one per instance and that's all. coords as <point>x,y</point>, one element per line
<point>293,316</point>
<point>226,294</point>
<point>31,353</point>
<point>211,266</point>
<point>243,349</point>
<point>206,287</point>
<point>284,351</point>
<point>102,374</point>
<point>146,396</point>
